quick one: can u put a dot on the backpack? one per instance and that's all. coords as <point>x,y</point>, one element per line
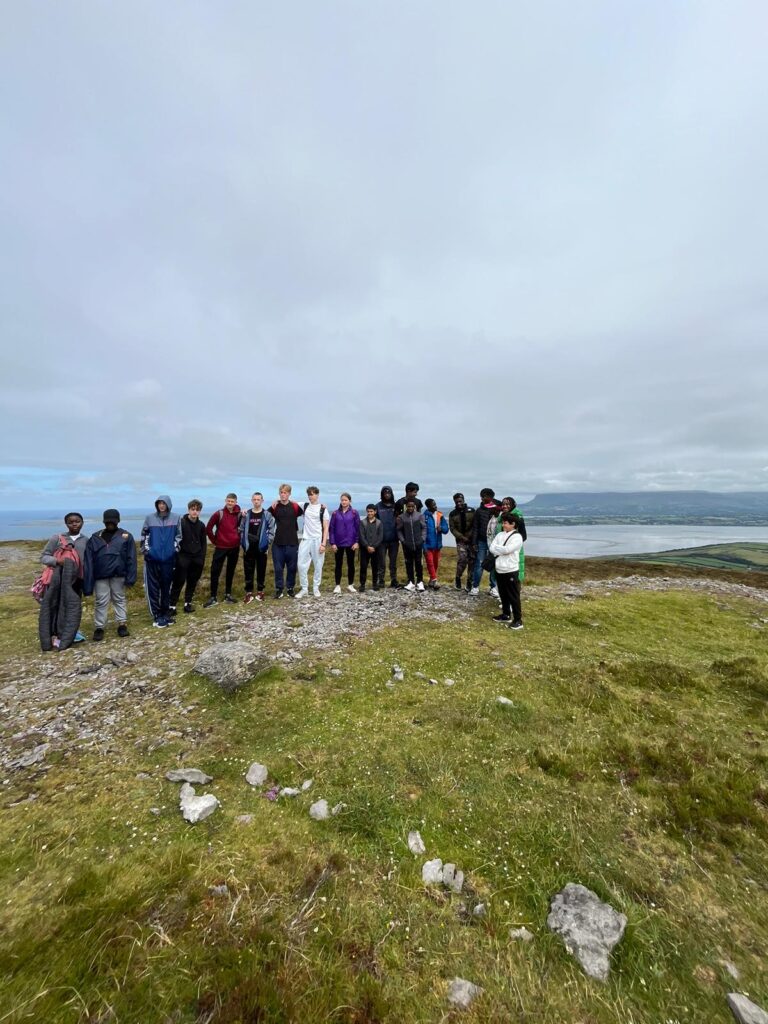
<point>65,551</point>
<point>322,511</point>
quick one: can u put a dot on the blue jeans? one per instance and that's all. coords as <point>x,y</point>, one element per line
<point>482,551</point>
<point>285,556</point>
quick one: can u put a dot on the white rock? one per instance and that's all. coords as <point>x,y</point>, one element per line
<point>745,1011</point>
<point>196,808</point>
<point>433,682</point>
<point>449,682</point>
<point>432,872</point>
<point>257,774</point>
<point>453,878</point>
<point>416,843</point>
<point>589,927</point>
<point>338,808</point>
<point>479,910</point>
<point>188,775</point>
<point>244,819</point>
<point>462,993</point>
<point>306,784</point>
<point>319,810</point>
<point>522,934</point>
<point>505,701</point>
<point>731,968</point>
<point>289,791</point>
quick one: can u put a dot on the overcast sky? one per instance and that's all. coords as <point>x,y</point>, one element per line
<point>521,245</point>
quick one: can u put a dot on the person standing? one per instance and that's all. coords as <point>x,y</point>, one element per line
<point>257,531</point>
<point>436,527</point>
<point>109,567</point>
<point>488,508</point>
<point>314,541</point>
<point>411,494</point>
<point>370,539</point>
<point>344,533</point>
<point>190,560</point>
<point>160,541</point>
<point>385,510</point>
<point>61,607</point>
<point>460,523</point>
<point>285,548</point>
<point>506,547</point>
<point>411,529</point>
<point>223,531</point>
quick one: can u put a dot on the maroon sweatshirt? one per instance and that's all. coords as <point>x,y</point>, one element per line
<point>222,528</point>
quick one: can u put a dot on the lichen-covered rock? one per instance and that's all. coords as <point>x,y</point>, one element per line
<point>416,843</point>
<point>256,774</point>
<point>589,927</point>
<point>231,665</point>
<point>462,993</point>
<point>319,810</point>
<point>432,872</point>
<point>188,775</point>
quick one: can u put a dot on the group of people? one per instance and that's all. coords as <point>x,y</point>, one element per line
<point>174,548</point>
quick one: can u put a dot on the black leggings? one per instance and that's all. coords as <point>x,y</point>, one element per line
<point>188,571</point>
<point>220,555</point>
<point>340,552</point>
<point>509,592</point>
<point>413,564</point>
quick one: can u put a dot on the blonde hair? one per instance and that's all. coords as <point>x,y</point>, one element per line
<point>285,487</point>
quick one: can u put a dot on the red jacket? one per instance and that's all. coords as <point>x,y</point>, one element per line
<point>223,528</point>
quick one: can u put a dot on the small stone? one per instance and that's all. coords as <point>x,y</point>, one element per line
<point>335,672</point>
<point>589,927</point>
<point>419,675</point>
<point>745,1011</point>
<point>196,808</point>
<point>449,682</point>
<point>389,685</point>
<point>432,872</point>
<point>143,776</point>
<point>319,810</point>
<point>731,968</point>
<point>521,934</point>
<point>462,993</point>
<point>397,674</point>
<point>306,784</point>
<point>244,819</point>
<point>505,701</point>
<point>338,808</point>
<point>416,843</point>
<point>188,775</point>
<point>257,774</point>
<point>479,910</point>
<point>433,682</point>
<point>154,810</point>
<point>219,890</point>
<point>289,791</point>
<point>453,878</point>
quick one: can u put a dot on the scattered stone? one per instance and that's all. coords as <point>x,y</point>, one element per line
<point>731,968</point>
<point>256,774</point>
<point>389,684</point>
<point>521,934</point>
<point>244,819</point>
<point>188,775</point>
<point>143,776</point>
<point>589,927</point>
<point>319,810</point>
<point>397,674</point>
<point>196,808</point>
<point>306,784</point>
<point>449,682</point>
<point>505,701</point>
<point>289,791</point>
<point>453,878</point>
<point>419,675</point>
<point>155,810</point>
<point>338,808</point>
<point>462,993</point>
<point>479,910</point>
<point>745,1011</point>
<point>335,672</point>
<point>416,843</point>
<point>432,872</point>
<point>33,756</point>
<point>231,665</point>
<point>219,890</point>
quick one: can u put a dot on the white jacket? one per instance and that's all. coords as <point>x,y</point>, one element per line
<point>506,547</point>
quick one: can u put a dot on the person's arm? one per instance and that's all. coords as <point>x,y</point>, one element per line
<point>131,566</point>
<point>88,570</point>
<point>443,524</point>
<point>326,525</point>
<point>177,537</point>
<point>400,530</point>
<point>272,528</point>
<point>356,544</point>
<point>47,556</point>
<point>332,531</point>
<point>210,528</point>
<point>144,542</point>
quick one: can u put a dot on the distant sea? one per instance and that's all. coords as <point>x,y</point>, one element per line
<point>546,541</point>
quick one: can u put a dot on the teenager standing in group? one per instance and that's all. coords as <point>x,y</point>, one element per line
<point>257,531</point>
<point>344,534</point>
<point>223,531</point>
<point>314,541</point>
<point>285,548</point>
<point>190,561</point>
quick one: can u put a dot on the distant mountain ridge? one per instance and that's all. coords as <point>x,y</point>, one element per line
<point>738,508</point>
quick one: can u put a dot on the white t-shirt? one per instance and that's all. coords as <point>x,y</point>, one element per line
<point>313,528</point>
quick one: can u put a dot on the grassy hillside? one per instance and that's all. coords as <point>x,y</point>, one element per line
<point>743,556</point>
<point>633,759</point>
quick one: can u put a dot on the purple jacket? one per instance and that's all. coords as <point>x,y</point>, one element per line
<point>344,528</point>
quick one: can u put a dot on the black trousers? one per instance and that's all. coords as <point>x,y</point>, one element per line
<point>366,558</point>
<point>186,574</point>
<point>508,584</point>
<point>254,560</point>
<point>388,548</point>
<point>413,564</point>
<point>221,555</point>
<point>350,564</point>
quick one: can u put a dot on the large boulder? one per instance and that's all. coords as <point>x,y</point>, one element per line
<point>745,1011</point>
<point>231,665</point>
<point>589,927</point>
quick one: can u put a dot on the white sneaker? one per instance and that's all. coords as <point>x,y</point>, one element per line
<point>337,589</point>
<point>316,592</point>
<point>351,588</point>
<point>302,593</point>
<point>493,592</point>
<point>409,586</point>
<point>474,592</point>
<point>420,586</point>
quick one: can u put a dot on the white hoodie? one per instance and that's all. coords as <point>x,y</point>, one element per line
<point>506,547</point>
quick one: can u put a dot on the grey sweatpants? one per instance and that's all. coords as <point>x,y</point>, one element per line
<point>105,591</point>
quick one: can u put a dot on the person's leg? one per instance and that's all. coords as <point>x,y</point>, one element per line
<point>429,556</point>
<point>438,553</point>
<point>100,603</point>
<point>504,583</point>
<point>278,561</point>
<point>194,572</point>
<point>249,565</point>
<point>482,551</point>
<point>418,565</point>
<point>119,603</point>
<point>365,558</point>
<point>261,570</point>
<point>318,560</point>
<point>217,564</point>
<point>461,560</point>
<point>393,549</point>
<point>517,608</point>
<point>375,569</point>
<point>152,586</point>
<point>408,556</point>
<point>292,556</point>
<point>232,556</point>
<point>180,574</point>
<point>350,567</point>
<point>304,561</point>
<point>338,562</point>
<point>166,581</point>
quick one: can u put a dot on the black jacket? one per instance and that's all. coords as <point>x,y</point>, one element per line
<point>109,556</point>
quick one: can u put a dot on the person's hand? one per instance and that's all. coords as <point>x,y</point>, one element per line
<point>370,550</point>
<point>321,549</point>
<point>355,547</point>
<point>334,548</point>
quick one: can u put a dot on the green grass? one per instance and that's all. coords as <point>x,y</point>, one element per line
<point>749,557</point>
<point>634,760</point>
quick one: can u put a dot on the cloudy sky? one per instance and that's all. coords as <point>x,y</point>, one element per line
<point>503,243</point>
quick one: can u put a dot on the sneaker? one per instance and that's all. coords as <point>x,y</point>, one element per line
<point>210,602</point>
<point>302,593</point>
<point>457,584</point>
<point>291,592</point>
<point>411,586</point>
<point>172,609</point>
<point>278,594</point>
<point>493,592</point>
<point>260,595</point>
<point>351,588</point>
<point>502,618</point>
<point>187,608</point>
<point>122,630</point>
<point>79,638</point>
<point>375,586</point>
<point>161,623</point>
<point>516,625</point>
<point>316,592</point>
<point>420,586</point>
<point>248,598</point>
<point>361,588</point>
<point>394,585</point>
<point>229,599</point>
<point>468,588</point>
<point>475,591</point>
<point>98,634</point>
<point>337,589</point>
<point>434,585</point>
